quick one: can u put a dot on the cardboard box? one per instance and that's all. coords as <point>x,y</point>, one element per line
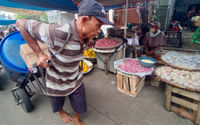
<point>29,56</point>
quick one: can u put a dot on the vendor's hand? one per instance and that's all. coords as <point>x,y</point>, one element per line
<point>42,61</point>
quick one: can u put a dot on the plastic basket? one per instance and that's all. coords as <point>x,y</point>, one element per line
<point>147,64</point>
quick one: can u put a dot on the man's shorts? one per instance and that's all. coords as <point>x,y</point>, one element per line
<point>77,100</point>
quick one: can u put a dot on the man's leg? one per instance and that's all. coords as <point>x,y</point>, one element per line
<point>76,119</point>
<point>78,102</point>
<point>57,106</point>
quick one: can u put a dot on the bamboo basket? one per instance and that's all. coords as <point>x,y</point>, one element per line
<point>176,85</point>
<point>177,67</point>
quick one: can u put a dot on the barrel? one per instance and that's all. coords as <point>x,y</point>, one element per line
<point>11,60</point>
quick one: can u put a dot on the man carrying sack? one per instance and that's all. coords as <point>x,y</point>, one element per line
<point>64,76</point>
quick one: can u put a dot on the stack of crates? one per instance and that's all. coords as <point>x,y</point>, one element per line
<point>174,39</point>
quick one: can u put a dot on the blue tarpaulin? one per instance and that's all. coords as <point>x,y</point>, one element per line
<point>44,5</point>
<point>65,5</point>
<point>4,21</point>
<point>40,5</point>
<point>7,22</point>
<point>7,3</point>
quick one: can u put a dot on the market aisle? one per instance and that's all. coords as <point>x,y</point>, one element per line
<point>106,105</point>
<point>187,44</point>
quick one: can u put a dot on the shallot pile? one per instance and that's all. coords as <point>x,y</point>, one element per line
<point>105,42</point>
<point>133,66</point>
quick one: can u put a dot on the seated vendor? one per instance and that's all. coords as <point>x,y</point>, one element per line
<point>131,43</point>
<point>154,40</point>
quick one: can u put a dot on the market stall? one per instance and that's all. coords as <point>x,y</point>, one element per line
<point>131,74</point>
<point>182,83</point>
<point>108,52</point>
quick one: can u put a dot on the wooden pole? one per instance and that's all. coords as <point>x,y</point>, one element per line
<point>126,19</point>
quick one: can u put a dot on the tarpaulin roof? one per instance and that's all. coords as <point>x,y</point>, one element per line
<point>115,2</point>
<point>7,22</point>
<point>65,5</point>
<point>42,5</point>
<point>4,21</point>
<point>21,11</point>
<point>7,3</point>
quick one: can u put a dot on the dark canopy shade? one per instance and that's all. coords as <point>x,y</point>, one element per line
<point>65,5</point>
<point>7,3</point>
<point>115,2</point>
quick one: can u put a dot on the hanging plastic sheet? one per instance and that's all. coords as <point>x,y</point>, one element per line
<point>7,22</point>
<point>132,18</point>
<point>7,3</point>
<point>65,5</point>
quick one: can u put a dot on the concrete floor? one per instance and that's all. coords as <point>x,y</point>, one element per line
<point>106,105</point>
<point>187,44</point>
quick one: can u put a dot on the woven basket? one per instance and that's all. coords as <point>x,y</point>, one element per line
<point>174,84</point>
<point>177,67</point>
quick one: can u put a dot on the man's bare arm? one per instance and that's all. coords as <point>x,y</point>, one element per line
<point>32,42</point>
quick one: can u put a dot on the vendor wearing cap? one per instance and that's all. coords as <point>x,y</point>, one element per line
<point>64,76</point>
<point>154,40</point>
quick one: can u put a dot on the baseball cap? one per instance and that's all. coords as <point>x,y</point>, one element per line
<point>93,8</point>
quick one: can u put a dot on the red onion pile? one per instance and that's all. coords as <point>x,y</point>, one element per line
<point>133,66</point>
<point>105,42</point>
